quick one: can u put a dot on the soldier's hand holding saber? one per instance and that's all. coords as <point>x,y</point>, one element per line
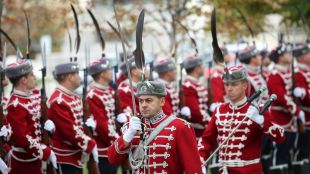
<point>134,126</point>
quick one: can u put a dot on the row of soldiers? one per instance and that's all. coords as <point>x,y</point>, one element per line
<point>170,149</point>
<point>291,85</point>
<point>291,106</point>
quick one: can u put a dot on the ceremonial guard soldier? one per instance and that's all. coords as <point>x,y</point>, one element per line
<point>126,106</point>
<point>251,58</point>
<point>196,95</point>
<point>123,75</point>
<point>23,114</point>
<point>217,96</point>
<point>302,93</point>
<point>71,145</point>
<point>101,102</point>
<point>284,110</point>
<point>167,144</point>
<point>239,154</point>
<point>217,85</point>
<point>166,70</point>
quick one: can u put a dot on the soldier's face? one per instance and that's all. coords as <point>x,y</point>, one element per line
<point>287,58</point>
<point>75,79</point>
<point>200,70</point>
<point>30,81</point>
<point>266,61</point>
<point>147,73</point>
<point>108,75</point>
<point>305,59</point>
<point>235,91</point>
<point>5,81</point>
<point>135,72</point>
<point>150,105</point>
<point>257,60</point>
<point>172,75</point>
<point>227,58</point>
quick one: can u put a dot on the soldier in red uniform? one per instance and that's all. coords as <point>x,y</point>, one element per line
<point>241,153</point>
<point>217,85</point>
<point>302,92</point>
<point>71,145</point>
<point>168,143</point>
<point>23,114</point>
<point>101,102</point>
<point>218,96</point>
<point>284,110</point>
<point>123,75</point>
<point>196,95</point>
<point>125,102</point>
<point>166,70</point>
<point>251,58</point>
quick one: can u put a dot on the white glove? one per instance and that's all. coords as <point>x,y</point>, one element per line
<point>204,170</point>
<point>49,126</point>
<point>253,114</point>
<point>134,127</point>
<point>186,111</point>
<point>213,106</point>
<point>90,122</point>
<point>3,167</point>
<point>53,159</point>
<point>299,92</point>
<point>4,131</point>
<point>94,152</point>
<point>301,116</point>
<point>121,118</point>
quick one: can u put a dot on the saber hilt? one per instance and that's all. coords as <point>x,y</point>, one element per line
<point>272,98</point>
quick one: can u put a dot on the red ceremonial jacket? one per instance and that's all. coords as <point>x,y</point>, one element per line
<point>172,99</point>
<point>23,114</point>
<point>255,82</point>
<point>68,141</point>
<point>102,106</point>
<point>173,151</point>
<point>284,108</point>
<point>217,85</point>
<point>124,94</point>
<point>196,98</point>
<point>121,78</point>
<point>303,81</point>
<point>241,154</point>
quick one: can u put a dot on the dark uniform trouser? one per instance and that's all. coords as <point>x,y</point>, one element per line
<point>68,169</point>
<point>267,149</point>
<point>105,167</point>
<point>214,164</point>
<point>281,162</point>
<point>301,163</point>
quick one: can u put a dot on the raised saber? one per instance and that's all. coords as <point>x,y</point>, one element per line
<point>126,61</point>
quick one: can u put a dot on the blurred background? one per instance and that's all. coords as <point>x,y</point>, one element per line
<point>168,26</point>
